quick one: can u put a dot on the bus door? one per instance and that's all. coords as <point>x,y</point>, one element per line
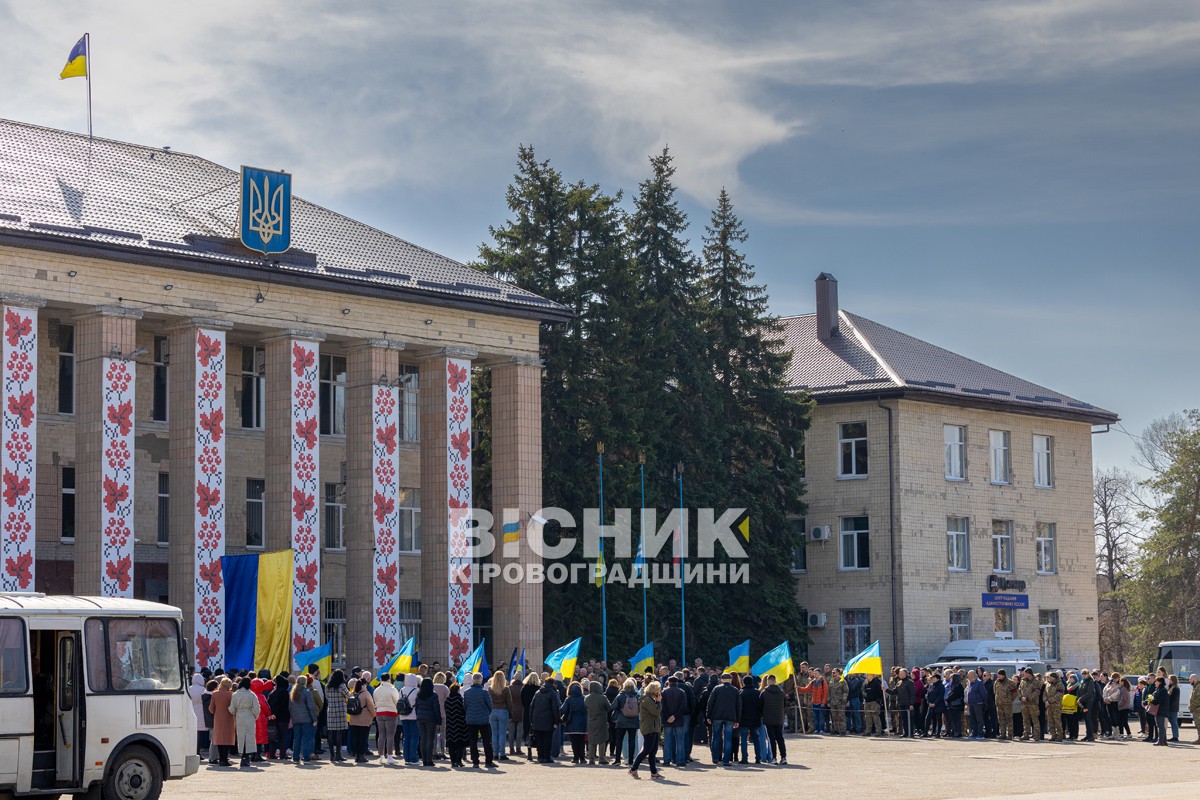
<point>67,707</point>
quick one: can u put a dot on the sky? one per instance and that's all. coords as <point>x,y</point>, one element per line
<point>1015,181</point>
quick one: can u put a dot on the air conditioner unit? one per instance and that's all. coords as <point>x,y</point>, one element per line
<point>821,533</point>
<point>817,620</point>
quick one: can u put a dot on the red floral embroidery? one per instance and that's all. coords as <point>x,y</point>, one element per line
<point>306,576</point>
<point>302,503</point>
<point>115,493</point>
<point>302,645</point>
<point>122,417</point>
<point>456,375</point>
<point>14,488</point>
<point>21,568</point>
<point>386,436</point>
<point>384,647</point>
<point>459,646</point>
<point>302,359</point>
<point>211,573</point>
<point>307,431</point>
<point>207,349</point>
<point>387,577</point>
<point>213,423</point>
<point>462,443</point>
<point>206,650</point>
<point>22,406</point>
<point>16,327</point>
<point>206,498</point>
<point>384,506</point>
<point>119,571</point>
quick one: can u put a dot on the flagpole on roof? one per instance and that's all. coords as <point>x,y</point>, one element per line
<point>87,48</point>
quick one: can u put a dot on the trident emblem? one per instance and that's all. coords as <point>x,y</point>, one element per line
<point>266,210</point>
<point>266,220</point>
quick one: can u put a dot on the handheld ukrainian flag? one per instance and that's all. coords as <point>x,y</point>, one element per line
<point>401,663</point>
<point>868,662</point>
<point>639,561</point>
<point>77,61</point>
<point>739,658</point>
<point>258,610</point>
<point>563,660</point>
<point>321,656</point>
<point>476,662</point>
<point>643,660</point>
<point>517,665</point>
<point>777,662</point>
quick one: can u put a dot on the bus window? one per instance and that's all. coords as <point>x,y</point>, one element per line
<point>14,662</point>
<point>96,652</point>
<point>143,655</point>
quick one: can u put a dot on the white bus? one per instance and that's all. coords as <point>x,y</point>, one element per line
<point>92,695</point>
<point>1182,659</point>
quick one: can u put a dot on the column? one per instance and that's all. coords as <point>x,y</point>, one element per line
<point>105,340</point>
<point>516,494</point>
<point>372,497</point>
<point>293,473</point>
<point>446,598</point>
<point>199,364</point>
<point>18,431</point>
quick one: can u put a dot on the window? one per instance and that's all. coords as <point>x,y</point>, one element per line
<point>335,630</point>
<point>800,550</point>
<point>335,516</point>
<point>254,388</point>
<point>852,444</point>
<point>14,675</point>
<point>410,398</point>
<point>1043,462</point>
<point>410,620</point>
<point>333,395</point>
<point>1002,545</point>
<point>66,369</point>
<point>132,655</point>
<point>1047,548</point>
<point>1006,623</point>
<point>856,543</point>
<point>958,542</point>
<point>960,624</point>
<point>1001,465</point>
<point>66,530</point>
<point>255,512</point>
<point>162,357</point>
<point>1048,634</point>
<point>955,438</point>
<point>164,508</point>
<point>856,631</point>
<point>410,520</point>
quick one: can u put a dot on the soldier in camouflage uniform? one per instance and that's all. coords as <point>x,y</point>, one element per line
<point>804,693</point>
<point>1029,692</point>
<point>893,712</point>
<point>1006,693</point>
<point>839,696</point>
<point>1053,694</point>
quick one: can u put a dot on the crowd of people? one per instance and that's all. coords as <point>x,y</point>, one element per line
<point>609,717</point>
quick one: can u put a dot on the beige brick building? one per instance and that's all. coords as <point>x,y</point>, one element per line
<point>930,478</point>
<point>317,400</point>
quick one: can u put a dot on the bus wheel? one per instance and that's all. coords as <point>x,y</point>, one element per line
<point>137,775</point>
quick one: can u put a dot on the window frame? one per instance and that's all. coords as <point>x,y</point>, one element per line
<point>66,361</point>
<point>163,510</point>
<point>409,379</point>
<point>962,547</point>
<point>107,650</point>
<point>963,627</point>
<point>261,502</point>
<point>1012,617</point>
<point>331,394</point>
<point>854,443</point>
<point>1040,480</point>
<point>64,492</point>
<point>958,448</point>
<point>254,379</point>
<point>24,660</point>
<point>1008,536</point>
<point>993,450</point>
<point>861,639</point>
<point>410,626</point>
<point>1043,651</point>
<point>334,628</point>
<point>802,547</point>
<point>161,379</point>
<point>857,534</point>
<point>334,504</point>
<point>1044,543</point>
<point>408,504</point>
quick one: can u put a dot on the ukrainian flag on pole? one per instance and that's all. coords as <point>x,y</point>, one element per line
<point>739,658</point>
<point>476,662</point>
<point>321,656</point>
<point>563,660</point>
<point>643,660</point>
<point>777,662</point>
<point>868,662</point>
<point>77,66</point>
<point>401,663</point>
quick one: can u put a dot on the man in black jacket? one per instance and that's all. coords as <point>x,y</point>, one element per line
<point>905,695</point>
<point>689,716</point>
<point>872,699</point>
<point>674,720</point>
<point>725,711</point>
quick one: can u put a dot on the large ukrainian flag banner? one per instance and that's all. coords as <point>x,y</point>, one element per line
<point>868,662</point>
<point>258,610</point>
<point>643,660</point>
<point>777,662</point>
<point>739,658</point>
<point>563,660</point>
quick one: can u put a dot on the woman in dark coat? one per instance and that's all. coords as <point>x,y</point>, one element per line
<point>935,704</point>
<point>597,722</point>
<point>575,722</point>
<point>544,713</point>
<point>428,708</point>
<point>456,726</point>
<point>277,701</point>
<point>610,693</point>
<point>528,690</point>
<point>954,707</point>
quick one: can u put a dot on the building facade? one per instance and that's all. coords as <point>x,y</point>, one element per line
<point>170,397</point>
<point>946,500</point>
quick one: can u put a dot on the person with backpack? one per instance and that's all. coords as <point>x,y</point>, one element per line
<point>387,699</point>
<point>360,713</point>
<point>406,711</point>
<point>650,725</point>
<point>625,711</point>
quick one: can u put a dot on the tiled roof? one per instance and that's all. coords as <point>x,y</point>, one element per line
<point>114,195</point>
<point>865,357</point>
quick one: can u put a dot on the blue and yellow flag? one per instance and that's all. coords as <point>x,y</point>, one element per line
<point>401,663</point>
<point>643,659</point>
<point>739,658</point>
<point>77,66</point>
<point>258,610</point>
<point>476,662</point>
<point>868,662</point>
<point>598,570</point>
<point>517,665</point>
<point>639,561</point>
<point>564,659</point>
<point>321,656</point>
<point>777,662</point>
<point>511,532</point>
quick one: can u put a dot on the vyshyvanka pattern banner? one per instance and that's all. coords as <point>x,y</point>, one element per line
<point>210,491</point>
<point>306,596</point>
<point>18,458</point>
<point>458,504</point>
<point>116,478</point>
<point>385,521</point>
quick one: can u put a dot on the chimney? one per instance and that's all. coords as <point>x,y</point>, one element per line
<point>827,307</point>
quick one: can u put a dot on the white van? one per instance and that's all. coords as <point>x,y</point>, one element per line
<point>92,694</point>
<point>991,650</point>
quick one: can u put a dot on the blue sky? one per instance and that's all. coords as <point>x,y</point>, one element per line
<point>1016,181</point>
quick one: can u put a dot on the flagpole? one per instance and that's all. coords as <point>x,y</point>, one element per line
<point>604,583</point>
<point>682,567</point>
<point>87,61</point>
<point>642,550</point>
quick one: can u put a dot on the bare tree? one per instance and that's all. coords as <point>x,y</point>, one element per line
<point>1117,534</point>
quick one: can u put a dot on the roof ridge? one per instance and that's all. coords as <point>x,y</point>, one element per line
<point>866,344</point>
<point>76,134</point>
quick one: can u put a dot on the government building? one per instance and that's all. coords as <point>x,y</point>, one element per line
<point>946,500</point>
<point>170,397</point>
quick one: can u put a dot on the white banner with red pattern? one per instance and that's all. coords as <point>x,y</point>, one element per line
<point>306,598</point>
<point>116,478</point>
<point>458,505</point>
<point>18,461</point>
<point>385,491</point>
<point>210,491</point>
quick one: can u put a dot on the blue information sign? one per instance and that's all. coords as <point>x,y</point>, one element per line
<point>991,600</point>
